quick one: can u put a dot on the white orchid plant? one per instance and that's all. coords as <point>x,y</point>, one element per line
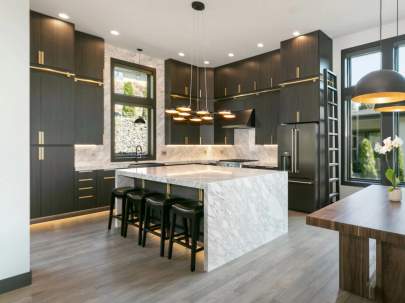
<point>389,146</point>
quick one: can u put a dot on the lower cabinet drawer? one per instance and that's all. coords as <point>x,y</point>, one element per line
<point>86,190</point>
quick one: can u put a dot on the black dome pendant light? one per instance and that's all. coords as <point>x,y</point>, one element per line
<point>382,86</point>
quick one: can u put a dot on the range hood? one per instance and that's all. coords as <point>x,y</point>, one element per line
<point>243,119</point>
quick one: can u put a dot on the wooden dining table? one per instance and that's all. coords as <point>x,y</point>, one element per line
<point>364,215</point>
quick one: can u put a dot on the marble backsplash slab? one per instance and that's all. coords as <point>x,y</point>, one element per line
<point>99,155</point>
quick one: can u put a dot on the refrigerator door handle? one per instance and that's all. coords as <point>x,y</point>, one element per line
<point>296,153</point>
<point>292,150</point>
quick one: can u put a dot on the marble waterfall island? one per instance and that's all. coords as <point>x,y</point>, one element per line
<point>243,208</point>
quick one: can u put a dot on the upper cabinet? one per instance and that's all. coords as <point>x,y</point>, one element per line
<point>269,70</point>
<point>89,56</point>
<point>52,43</point>
<point>179,76</point>
<point>305,56</point>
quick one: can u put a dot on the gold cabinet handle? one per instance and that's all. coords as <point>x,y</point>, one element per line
<point>200,140</point>
<point>186,90</point>
<point>297,72</point>
<point>39,138</point>
<point>99,83</point>
<point>239,89</point>
<point>200,93</point>
<point>41,153</point>
<point>86,197</point>
<point>185,140</point>
<point>84,180</point>
<point>254,85</point>
<point>298,116</point>
<point>39,57</point>
<point>271,82</point>
<point>109,178</point>
<point>225,91</point>
<point>43,137</point>
<point>43,57</point>
<point>225,141</point>
<point>84,188</point>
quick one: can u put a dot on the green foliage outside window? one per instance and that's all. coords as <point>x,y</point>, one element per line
<point>128,89</point>
<point>367,160</point>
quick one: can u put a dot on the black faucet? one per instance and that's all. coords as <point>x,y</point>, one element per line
<point>137,154</point>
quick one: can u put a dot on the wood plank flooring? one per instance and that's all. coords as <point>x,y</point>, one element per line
<point>77,260</point>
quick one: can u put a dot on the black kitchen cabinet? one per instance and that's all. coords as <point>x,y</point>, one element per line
<point>52,175</point>
<point>300,103</point>
<point>35,182</point>
<point>89,113</point>
<point>225,135</point>
<point>105,185</point>
<point>89,56</point>
<point>220,75</point>
<point>267,108</point>
<point>305,56</point>
<point>226,80</point>
<point>86,190</point>
<point>184,133</point>
<point>178,75</point>
<point>269,70</point>
<point>248,75</point>
<point>52,42</point>
<point>52,108</point>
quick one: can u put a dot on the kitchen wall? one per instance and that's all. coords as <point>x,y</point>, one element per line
<point>99,156</point>
<point>14,126</point>
<point>354,39</point>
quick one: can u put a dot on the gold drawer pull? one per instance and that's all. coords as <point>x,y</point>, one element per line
<point>86,197</point>
<point>84,180</point>
<point>84,188</point>
<point>109,178</point>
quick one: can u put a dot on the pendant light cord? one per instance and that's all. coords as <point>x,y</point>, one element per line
<point>381,24</point>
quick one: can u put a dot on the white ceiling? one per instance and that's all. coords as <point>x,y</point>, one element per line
<point>165,27</point>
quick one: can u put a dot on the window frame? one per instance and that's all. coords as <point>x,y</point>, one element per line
<point>149,103</point>
<point>389,121</point>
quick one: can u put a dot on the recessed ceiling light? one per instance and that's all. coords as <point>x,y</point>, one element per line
<point>260,45</point>
<point>231,55</point>
<point>206,62</point>
<point>296,33</point>
<point>181,54</point>
<point>114,32</point>
<point>64,16</point>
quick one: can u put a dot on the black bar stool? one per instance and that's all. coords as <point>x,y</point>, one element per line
<point>120,193</point>
<point>135,204</point>
<point>162,203</point>
<point>193,211</point>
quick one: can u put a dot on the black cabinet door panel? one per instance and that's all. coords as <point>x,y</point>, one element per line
<point>35,185</point>
<point>89,113</point>
<point>89,56</point>
<point>57,180</point>
<point>105,185</point>
<point>35,106</point>
<point>35,37</point>
<point>57,109</point>
<point>57,43</point>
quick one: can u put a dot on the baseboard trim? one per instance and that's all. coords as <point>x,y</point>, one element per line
<point>15,282</point>
<point>69,215</point>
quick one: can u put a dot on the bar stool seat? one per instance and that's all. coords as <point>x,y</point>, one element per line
<point>189,210</point>
<point>120,193</point>
<point>162,203</point>
<point>136,199</point>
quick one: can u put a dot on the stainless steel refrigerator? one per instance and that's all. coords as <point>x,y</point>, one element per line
<point>298,152</point>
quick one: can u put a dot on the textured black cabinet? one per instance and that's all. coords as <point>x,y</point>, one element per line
<point>179,78</point>
<point>89,56</point>
<point>86,189</point>
<point>269,70</point>
<point>248,75</point>
<point>224,135</point>
<point>267,108</point>
<point>52,42</point>
<point>52,175</point>
<point>300,103</point>
<point>105,185</point>
<point>89,113</point>
<point>52,108</point>
<point>305,56</point>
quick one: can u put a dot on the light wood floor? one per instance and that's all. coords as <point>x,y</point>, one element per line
<point>77,260</point>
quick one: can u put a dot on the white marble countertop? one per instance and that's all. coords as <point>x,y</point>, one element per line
<point>193,175</point>
<point>122,165</point>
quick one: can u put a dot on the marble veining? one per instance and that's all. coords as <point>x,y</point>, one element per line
<point>243,208</point>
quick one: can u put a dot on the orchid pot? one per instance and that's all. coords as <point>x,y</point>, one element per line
<point>388,147</point>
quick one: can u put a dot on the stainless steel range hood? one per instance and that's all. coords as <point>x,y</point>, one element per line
<point>243,119</point>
